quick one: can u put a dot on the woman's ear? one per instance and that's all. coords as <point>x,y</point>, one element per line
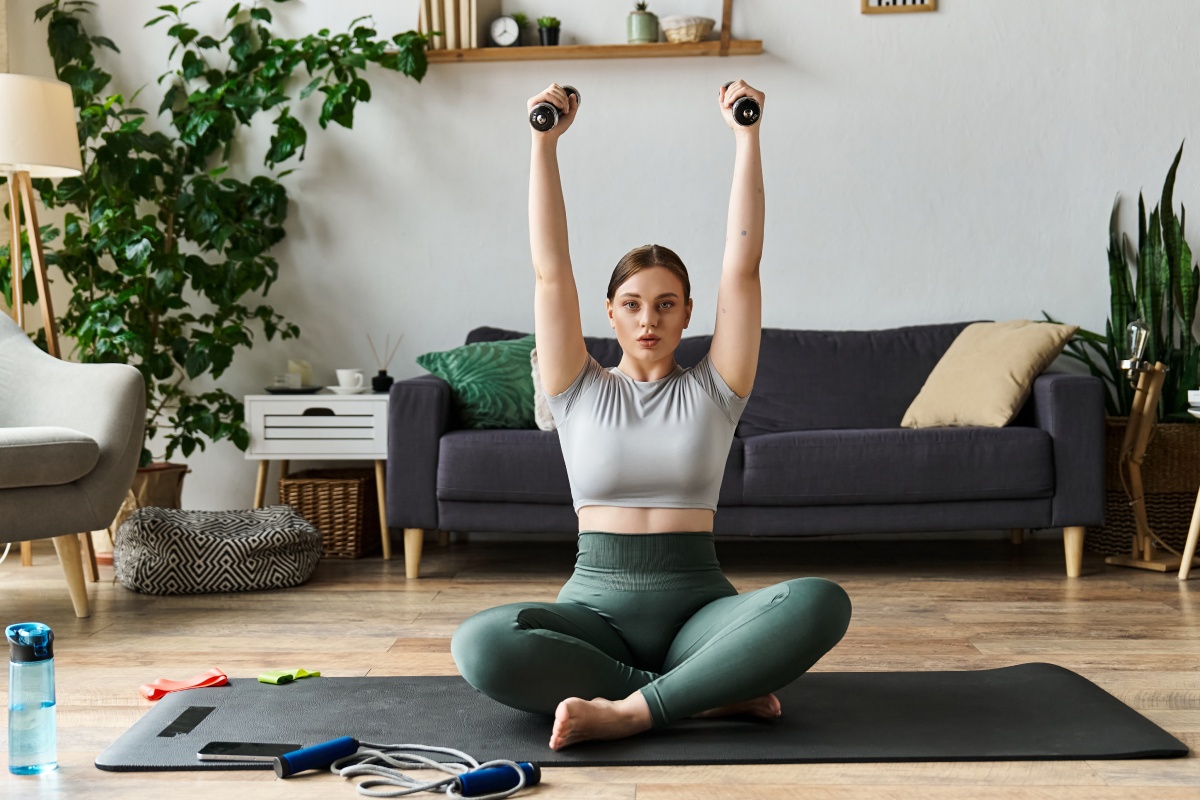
<point>609,310</point>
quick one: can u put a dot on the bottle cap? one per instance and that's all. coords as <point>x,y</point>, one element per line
<point>29,641</point>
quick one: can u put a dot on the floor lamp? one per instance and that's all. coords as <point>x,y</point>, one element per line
<point>38,139</point>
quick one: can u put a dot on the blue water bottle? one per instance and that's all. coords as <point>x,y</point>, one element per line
<point>32,742</point>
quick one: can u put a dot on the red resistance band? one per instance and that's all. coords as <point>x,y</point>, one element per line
<point>162,686</point>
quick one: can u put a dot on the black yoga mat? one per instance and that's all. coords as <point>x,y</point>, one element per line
<point>1030,711</point>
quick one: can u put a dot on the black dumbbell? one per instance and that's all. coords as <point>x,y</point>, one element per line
<point>544,116</point>
<point>746,110</point>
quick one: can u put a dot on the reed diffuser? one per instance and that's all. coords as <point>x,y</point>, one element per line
<point>382,382</point>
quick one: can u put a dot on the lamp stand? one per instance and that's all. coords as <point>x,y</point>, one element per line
<point>20,192</point>
<point>1142,417</point>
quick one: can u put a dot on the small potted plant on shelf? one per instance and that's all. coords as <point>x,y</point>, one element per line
<point>642,25</point>
<point>522,25</point>
<point>548,30</point>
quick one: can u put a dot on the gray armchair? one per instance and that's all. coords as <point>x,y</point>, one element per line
<point>70,439</point>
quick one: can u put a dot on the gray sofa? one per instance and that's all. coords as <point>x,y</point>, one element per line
<point>818,450</point>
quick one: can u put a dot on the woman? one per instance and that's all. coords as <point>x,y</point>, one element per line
<point>648,630</point>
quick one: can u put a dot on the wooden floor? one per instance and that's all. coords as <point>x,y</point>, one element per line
<point>918,605</point>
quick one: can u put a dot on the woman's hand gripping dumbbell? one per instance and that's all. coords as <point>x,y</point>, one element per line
<point>741,104</point>
<point>554,109</point>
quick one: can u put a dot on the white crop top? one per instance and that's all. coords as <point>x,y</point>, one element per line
<point>646,444</point>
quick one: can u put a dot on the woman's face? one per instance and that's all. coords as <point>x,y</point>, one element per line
<point>649,314</point>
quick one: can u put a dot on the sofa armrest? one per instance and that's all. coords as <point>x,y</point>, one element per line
<point>1071,409</point>
<point>418,415</point>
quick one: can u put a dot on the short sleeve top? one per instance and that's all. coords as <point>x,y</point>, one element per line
<point>646,444</point>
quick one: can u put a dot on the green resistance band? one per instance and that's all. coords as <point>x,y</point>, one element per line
<point>280,676</point>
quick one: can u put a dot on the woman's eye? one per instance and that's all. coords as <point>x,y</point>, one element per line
<point>630,304</point>
<point>667,304</point>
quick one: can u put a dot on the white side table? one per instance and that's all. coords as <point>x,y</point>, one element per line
<point>322,426</point>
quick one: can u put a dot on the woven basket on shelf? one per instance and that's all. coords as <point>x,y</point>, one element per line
<point>686,29</point>
<point>1170,478</point>
<point>341,504</point>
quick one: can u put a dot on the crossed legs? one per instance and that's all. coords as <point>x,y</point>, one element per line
<point>573,661</point>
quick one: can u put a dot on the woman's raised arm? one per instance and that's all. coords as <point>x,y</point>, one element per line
<point>738,330</point>
<point>557,326</point>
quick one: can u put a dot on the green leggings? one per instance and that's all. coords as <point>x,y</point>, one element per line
<point>651,612</point>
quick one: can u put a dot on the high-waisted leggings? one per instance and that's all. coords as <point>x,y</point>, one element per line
<point>652,613</point>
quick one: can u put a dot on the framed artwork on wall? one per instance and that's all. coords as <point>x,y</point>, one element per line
<point>897,6</point>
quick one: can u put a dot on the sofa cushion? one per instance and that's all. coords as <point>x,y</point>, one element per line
<point>518,466</point>
<point>823,380</point>
<point>44,456</point>
<point>527,467</point>
<point>490,382</point>
<point>985,376</point>
<point>897,465</point>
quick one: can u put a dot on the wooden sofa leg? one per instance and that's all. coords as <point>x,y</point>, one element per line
<point>26,554</point>
<point>413,539</point>
<point>1018,536</point>
<point>71,559</point>
<point>443,538</point>
<point>1073,548</point>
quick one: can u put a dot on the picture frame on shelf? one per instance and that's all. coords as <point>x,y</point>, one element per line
<point>897,6</point>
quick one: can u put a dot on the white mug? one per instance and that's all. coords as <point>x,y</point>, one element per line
<point>350,378</point>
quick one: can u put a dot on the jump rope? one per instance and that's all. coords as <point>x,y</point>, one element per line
<point>350,758</point>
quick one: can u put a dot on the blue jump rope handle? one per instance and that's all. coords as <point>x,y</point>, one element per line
<point>489,780</point>
<point>318,756</point>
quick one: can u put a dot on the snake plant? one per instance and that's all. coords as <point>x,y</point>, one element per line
<point>1157,284</point>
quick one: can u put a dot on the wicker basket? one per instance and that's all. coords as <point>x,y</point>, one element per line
<point>1170,477</point>
<point>341,504</point>
<point>686,29</point>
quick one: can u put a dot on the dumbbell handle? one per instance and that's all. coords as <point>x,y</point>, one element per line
<point>746,110</point>
<point>544,116</point>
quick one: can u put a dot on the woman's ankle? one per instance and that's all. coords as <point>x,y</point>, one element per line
<point>637,710</point>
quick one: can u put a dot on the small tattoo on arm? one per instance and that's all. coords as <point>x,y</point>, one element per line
<point>743,233</point>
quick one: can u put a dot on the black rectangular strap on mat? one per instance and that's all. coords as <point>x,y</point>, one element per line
<point>1030,711</point>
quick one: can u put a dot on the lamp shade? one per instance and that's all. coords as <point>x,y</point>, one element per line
<point>37,128</point>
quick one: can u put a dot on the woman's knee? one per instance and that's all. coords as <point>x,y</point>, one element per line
<point>479,644</point>
<point>825,604</point>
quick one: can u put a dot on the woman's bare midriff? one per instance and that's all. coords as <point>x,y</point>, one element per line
<point>618,519</point>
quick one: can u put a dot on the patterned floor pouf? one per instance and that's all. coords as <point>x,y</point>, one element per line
<point>171,551</point>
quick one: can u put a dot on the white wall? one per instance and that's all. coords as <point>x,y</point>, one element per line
<point>919,168</point>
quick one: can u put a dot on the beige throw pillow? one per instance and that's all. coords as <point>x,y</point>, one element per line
<point>541,409</point>
<point>986,374</point>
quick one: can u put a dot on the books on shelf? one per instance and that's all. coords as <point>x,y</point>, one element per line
<point>461,23</point>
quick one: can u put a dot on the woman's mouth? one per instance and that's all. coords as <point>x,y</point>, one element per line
<point>648,341</point>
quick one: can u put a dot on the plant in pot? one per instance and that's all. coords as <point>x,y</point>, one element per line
<point>548,30</point>
<point>522,25</point>
<point>641,27</point>
<point>165,246</point>
<point>1159,285</point>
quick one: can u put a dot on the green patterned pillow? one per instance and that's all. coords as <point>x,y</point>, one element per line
<point>490,382</point>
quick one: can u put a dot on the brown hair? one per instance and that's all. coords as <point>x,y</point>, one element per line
<point>649,255</point>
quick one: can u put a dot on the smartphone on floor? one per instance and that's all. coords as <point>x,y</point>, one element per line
<point>244,751</point>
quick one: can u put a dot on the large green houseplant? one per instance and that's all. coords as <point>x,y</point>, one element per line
<point>166,246</point>
<point>1158,284</point>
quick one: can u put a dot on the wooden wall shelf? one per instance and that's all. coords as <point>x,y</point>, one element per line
<point>742,47</point>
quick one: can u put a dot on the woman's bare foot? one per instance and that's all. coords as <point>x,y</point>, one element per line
<point>577,720</point>
<point>766,707</point>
